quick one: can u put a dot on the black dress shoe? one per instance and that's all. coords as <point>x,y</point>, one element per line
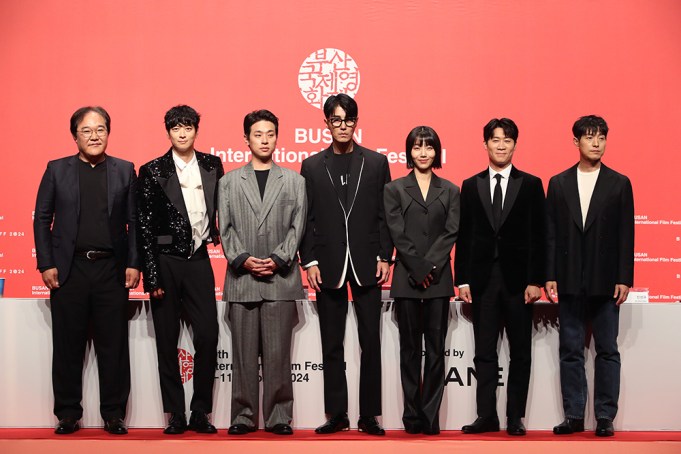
<point>431,431</point>
<point>115,426</point>
<point>604,428</point>
<point>176,425</point>
<point>240,429</point>
<point>481,425</point>
<point>280,429</point>
<point>370,425</point>
<point>569,426</point>
<point>67,425</point>
<point>199,423</point>
<point>413,430</point>
<point>515,426</point>
<point>333,425</point>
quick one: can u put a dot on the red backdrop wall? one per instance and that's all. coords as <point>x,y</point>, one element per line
<point>452,65</point>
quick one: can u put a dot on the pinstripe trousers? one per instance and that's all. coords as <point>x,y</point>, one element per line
<point>266,327</point>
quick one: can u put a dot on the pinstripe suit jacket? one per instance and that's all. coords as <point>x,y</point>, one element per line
<point>273,225</point>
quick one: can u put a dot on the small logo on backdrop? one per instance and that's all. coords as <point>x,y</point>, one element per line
<point>186,361</point>
<point>327,72</point>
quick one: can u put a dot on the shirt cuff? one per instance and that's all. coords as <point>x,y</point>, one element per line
<point>311,264</point>
<point>279,261</point>
<point>238,262</point>
<point>464,286</point>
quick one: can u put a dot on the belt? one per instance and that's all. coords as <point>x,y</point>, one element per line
<point>94,255</point>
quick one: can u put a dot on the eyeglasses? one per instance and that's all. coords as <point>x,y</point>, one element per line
<point>336,122</point>
<point>86,133</point>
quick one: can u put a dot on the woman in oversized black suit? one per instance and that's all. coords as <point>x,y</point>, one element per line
<point>422,213</point>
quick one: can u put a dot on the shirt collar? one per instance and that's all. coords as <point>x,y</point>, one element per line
<point>181,164</point>
<point>506,173</point>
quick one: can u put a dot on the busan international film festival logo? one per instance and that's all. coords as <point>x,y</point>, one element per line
<point>327,72</point>
<point>186,361</point>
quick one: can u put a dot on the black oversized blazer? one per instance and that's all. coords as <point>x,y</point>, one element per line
<point>590,257</point>
<point>424,232</point>
<point>519,242</point>
<point>360,222</point>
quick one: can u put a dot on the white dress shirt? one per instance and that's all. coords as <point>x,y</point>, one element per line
<point>189,175</point>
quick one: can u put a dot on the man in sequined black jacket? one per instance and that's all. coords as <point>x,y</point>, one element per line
<point>177,200</point>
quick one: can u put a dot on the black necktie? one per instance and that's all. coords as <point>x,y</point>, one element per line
<point>496,202</point>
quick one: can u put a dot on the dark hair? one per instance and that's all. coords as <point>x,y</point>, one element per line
<point>78,115</point>
<point>424,135</point>
<point>260,115</point>
<point>182,115</point>
<point>509,127</point>
<point>589,124</point>
<point>348,104</point>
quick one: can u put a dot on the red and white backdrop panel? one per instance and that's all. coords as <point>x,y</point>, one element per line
<point>452,65</point>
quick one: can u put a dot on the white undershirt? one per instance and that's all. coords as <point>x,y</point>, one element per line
<point>192,192</point>
<point>586,182</point>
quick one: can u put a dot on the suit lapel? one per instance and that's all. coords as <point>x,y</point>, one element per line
<point>434,189</point>
<point>111,169</point>
<point>249,185</point>
<point>171,184</point>
<point>569,183</point>
<point>411,187</point>
<point>512,190</point>
<point>275,181</point>
<point>600,194</point>
<point>208,178</point>
<point>73,176</point>
<point>485,195</point>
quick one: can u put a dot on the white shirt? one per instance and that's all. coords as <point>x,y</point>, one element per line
<point>189,175</point>
<point>586,182</point>
<point>505,174</point>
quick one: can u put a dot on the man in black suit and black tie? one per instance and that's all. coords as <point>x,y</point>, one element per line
<point>177,219</point>
<point>590,261</point>
<point>347,240</point>
<point>84,228</point>
<point>499,268</point>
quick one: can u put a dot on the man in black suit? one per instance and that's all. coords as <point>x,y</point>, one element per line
<point>177,206</point>
<point>347,240</point>
<point>84,229</point>
<point>499,268</point>
<point>590,260</point>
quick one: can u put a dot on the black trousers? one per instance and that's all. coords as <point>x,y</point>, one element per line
<point>332,306</point>
<point>493,306</point>
<point>189,288</point>
<point>416,320</point>
<point>92,295</point>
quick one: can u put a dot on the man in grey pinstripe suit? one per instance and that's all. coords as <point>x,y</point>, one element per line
<point>262,212</point>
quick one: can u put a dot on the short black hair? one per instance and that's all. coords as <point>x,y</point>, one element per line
<point>508,125</point>
<point>424,135</point>
<point>78,115</point>
<point>260,115</point>
<point>346,102</point>
<point>589,124</point>
<point>182,115</point>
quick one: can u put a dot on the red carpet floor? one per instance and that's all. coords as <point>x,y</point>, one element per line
<point>151,441</point>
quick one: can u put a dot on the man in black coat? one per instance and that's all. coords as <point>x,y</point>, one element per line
<point>177,219</point>
<point>590,261</point>
<point>499,268</point>
<point>84,227</point>
<point>347,241</point>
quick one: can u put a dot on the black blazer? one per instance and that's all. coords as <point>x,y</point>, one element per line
<point>164,226</point>
<point>327,232</point>
<point>57,210</point>
<point>599,255</point>
<point>520,241</point>
<point>424,232</point>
